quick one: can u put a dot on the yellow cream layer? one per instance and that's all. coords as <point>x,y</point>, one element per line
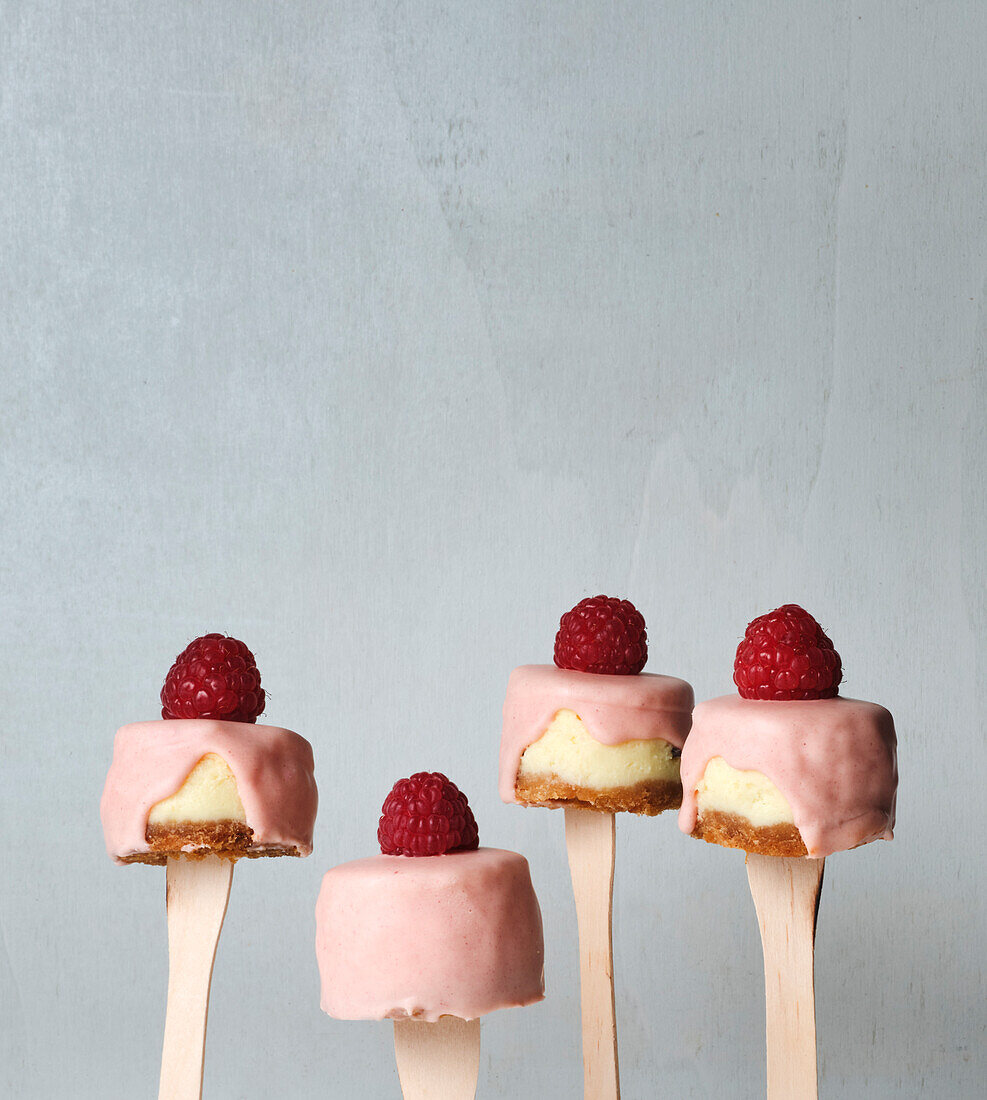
<point>750,794</point>
<point>209,793</point>
<point>567,750</point>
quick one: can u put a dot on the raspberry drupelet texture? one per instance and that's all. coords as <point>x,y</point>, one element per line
<point>213,677</point>
<point>786,655</point>
<point>602,634</point>
<point>426,815</point>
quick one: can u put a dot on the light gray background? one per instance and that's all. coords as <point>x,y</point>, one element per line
<point>377,334</point>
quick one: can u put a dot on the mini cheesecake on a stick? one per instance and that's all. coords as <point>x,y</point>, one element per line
<point>198,790</point>
<point>594,730</point>
<point>206,779</point>
<point>790,772</point>
<point>432,933</point>
<point>596,735</point>
<point>788,767</point>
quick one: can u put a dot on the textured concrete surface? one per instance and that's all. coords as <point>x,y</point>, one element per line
<point>378,334</point>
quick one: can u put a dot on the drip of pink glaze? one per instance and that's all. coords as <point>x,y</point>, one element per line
<point>151,760</point>
<point>614,709</point>
<point>430,936</point>
<point>834,760</point>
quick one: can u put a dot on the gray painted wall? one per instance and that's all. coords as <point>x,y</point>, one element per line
<point>377,334</point>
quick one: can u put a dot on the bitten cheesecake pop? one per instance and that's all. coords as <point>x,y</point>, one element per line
<point>596,735</point>
<point>432,934</point>
<point>787,770</point>
<point>198,790</point>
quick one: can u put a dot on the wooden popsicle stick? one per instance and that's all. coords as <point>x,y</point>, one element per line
<point>439,1061</point>
<point>786,897</point>
<point>197,893</point>
<point>590,841</point>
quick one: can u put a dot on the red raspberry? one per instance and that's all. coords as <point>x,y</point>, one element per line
<point>426,815</point>
<point>213,677</point>
<point>786,655</point>
<point>602,634</point>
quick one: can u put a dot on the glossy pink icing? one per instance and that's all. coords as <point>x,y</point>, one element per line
<point>614,709</point>
<point>453,935</point>
<point>834,760</point>
<point>273,769</point>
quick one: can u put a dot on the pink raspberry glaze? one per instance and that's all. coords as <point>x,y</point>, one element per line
<point>614,709</point>
<point>430,936</point>
<point>834,760</point>
<point>273,769</point>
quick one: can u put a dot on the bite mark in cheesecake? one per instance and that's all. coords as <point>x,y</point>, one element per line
<point>744,809</point>
<point>191,787</point>
<point>203,817</point>
<point>567,764</point>
<point>747,794</point>
<point>209,793</point>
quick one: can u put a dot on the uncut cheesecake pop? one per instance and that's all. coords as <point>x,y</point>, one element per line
<point>198,790</point>
<point>596,735</point>
<point>790,772</point>
<point>433,933</point>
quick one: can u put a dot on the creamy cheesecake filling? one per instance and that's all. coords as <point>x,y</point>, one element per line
<point>569,752</point>
<point>209,793</point>
<point>747,794</point>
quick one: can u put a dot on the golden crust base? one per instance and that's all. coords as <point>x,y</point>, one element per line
<point>734,831</point>
<point>231,840</point>
<point>649,798</point>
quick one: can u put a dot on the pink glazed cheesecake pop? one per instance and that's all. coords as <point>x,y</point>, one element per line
<point>197,791</point>
<point>432,934</point>
<point>790,772</point>
<point>593,730</point>
<point>596,735</point>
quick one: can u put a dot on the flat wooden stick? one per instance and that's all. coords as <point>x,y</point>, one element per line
<point>590,839</point>
<point>786,897</point>
<point>439,1061</point>
<point>197,893</point>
